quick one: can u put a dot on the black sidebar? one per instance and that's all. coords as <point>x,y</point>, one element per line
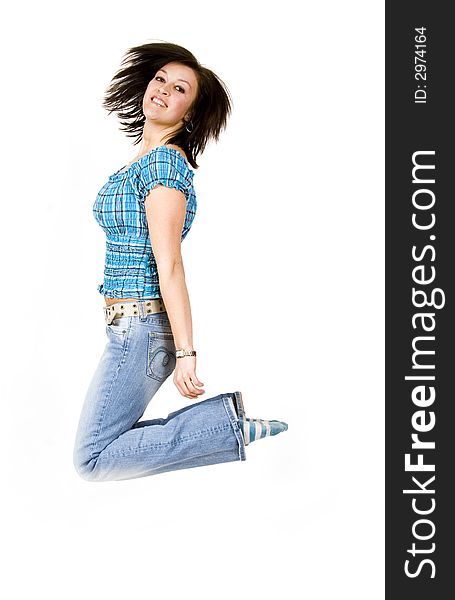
<point>420,321</point>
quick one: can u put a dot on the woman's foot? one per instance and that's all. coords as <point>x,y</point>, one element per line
<point>255,429</point>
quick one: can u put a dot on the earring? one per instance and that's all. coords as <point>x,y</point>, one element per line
<point>186,126</point>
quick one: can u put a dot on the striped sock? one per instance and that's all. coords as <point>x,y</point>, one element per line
<point>255,429</point>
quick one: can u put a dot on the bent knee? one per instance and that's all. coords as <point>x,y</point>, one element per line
<point>85,467</point>
<point>85,471</point>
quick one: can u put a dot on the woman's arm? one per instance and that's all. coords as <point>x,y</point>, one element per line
<point>165,209</point>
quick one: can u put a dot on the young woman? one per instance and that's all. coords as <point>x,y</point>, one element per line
<point>173,106</point>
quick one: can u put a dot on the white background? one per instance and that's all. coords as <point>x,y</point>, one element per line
<point>284,268</point>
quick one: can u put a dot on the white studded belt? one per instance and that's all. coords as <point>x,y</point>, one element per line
<point>133,308</point>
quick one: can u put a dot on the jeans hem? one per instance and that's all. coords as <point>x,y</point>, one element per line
<point>227,399</point>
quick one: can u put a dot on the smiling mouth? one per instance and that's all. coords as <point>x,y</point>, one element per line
<point>158,102</point>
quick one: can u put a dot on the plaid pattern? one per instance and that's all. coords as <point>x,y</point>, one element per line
<point>130,269</point>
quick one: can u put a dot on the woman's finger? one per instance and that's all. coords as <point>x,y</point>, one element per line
<point>193,387</point>
<point>196,381</point>
<point>190,389</point>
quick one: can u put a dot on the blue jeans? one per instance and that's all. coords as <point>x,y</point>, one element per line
<point>113,444</point>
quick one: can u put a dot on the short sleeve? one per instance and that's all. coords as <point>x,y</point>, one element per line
<point>162,166</point>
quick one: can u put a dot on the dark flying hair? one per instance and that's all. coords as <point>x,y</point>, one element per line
<point>209,111</point>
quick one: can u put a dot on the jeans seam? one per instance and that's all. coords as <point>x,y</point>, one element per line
<point>205,433</point>
<point>109,393</point>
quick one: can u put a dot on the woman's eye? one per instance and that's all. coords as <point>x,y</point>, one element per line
<point>177,87</point>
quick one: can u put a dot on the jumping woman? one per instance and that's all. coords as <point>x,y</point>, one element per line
<point>172,106</point>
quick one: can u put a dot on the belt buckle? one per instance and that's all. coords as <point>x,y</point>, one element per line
<point>108,315</point>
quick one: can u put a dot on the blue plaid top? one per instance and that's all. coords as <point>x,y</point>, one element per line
<point>130,269</point>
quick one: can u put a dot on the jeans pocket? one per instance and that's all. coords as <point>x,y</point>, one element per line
<point>119,326</point>
<point>160,354</point>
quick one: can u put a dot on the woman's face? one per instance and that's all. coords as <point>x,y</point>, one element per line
<point>170,94</point>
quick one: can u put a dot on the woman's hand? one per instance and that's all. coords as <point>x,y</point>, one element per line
<point>185,377</point>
